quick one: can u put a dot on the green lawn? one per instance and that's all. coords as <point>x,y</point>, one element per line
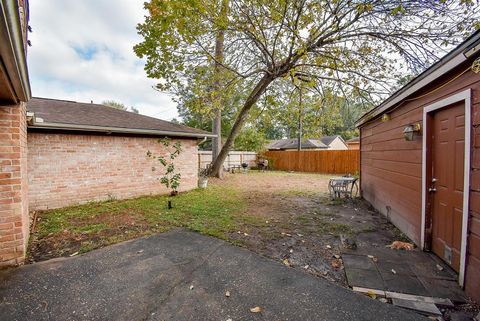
<point>214,211</point>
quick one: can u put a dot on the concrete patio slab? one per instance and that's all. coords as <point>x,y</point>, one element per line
<point>410,272</point>
<point>178,275</point>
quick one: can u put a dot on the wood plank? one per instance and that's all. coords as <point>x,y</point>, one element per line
<point>422,307</point>
<point>396,166</point>
<point>367,291</point>
<point>474,245</point>
<point>475,201</point>
<point>419,298</point>
<point>397,144</point>
<point>399,198</point>
<point>397,155</point>
<point>473,278</point>
<point>413,183</point>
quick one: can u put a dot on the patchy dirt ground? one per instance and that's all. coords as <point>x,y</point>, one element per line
<point>302,226</point>
<point>288,217</point>
<point>285,216</point>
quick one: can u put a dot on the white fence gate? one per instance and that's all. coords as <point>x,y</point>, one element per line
<point>233,158</point>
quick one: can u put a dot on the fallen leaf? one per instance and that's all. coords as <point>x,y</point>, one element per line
<point>256,310</point>
<point>372,294</point>
<point>286,262</point>
<point>398,245</point>
<point>306,267</point>
<point>336,264</point>
<point>227,294</point>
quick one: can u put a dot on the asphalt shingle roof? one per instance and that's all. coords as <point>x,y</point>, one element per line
<point>85,114</point>
<point>323,142</point>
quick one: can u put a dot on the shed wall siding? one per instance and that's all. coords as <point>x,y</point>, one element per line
<point>391,168</point>
<point>68,169</point>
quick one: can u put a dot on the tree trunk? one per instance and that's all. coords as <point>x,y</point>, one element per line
<point>300,112</point>
<point>217,121</point>
<point>217,130</point>
<point>237,126</point>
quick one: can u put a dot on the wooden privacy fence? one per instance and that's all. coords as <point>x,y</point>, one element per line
<point>316,161</point>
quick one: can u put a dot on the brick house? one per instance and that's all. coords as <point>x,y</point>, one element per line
<point>99,153</point>
<point>61,152</point>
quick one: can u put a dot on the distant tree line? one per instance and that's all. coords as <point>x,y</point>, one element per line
<point>121,106</point>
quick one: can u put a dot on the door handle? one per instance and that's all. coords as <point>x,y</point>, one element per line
<point>432,189</point>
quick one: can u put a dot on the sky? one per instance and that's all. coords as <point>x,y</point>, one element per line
<point>83,51</point>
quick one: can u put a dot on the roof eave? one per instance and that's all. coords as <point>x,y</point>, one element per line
<point>13,50</point>
<point>440,68</point>
<point>137,131</point>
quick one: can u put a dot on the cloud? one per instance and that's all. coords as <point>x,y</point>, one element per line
<point>82,50</point>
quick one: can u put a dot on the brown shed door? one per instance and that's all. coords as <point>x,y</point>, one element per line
<point>448,144</point>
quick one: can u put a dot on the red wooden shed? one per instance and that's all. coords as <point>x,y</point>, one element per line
<point>420,160</point>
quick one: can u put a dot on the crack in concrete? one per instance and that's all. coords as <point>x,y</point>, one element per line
<point>187,278</point>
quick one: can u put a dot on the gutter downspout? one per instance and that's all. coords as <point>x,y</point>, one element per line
<point>202,141</point>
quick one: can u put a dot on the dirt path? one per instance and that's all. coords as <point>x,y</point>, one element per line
<point>302,225</point>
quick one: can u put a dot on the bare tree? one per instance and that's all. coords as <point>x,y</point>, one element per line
<point>360,47</point>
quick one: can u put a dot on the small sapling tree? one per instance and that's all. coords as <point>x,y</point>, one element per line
<point>170,176</point>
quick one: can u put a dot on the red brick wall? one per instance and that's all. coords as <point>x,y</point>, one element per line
<point>14,219</point>
<point>67,169</point>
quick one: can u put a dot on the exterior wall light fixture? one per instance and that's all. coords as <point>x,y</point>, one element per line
<point>411,130</point>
